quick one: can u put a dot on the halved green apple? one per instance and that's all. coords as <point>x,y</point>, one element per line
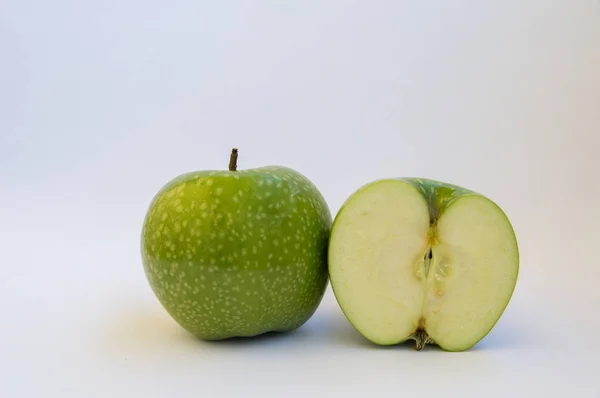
<point>425,260</point>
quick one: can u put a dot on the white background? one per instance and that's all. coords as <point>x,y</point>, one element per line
<point>102,102</point>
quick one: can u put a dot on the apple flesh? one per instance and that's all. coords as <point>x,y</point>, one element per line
<point>231,253</point>
<point>424,260</point>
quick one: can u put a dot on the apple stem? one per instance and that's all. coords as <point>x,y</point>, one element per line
<point>233,160</point>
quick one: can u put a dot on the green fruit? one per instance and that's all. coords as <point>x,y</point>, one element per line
<point>423,260</point>
<point>237,253</point>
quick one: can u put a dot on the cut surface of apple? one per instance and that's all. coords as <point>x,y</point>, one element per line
<point>424,260</point>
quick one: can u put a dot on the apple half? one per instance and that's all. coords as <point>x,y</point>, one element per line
<point>419,259</point>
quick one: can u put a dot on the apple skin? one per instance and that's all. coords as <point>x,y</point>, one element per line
<point>438,195</point>
<point>237,253</point>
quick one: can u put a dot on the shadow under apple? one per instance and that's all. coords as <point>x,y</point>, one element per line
<point>511,331</point>
<point>142,330</point>
<point>146,331</point>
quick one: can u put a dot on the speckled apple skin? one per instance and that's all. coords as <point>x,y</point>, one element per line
<point>237,253</point>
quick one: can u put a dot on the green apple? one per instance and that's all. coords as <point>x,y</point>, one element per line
<point>424,260</point>
<point>232,253</point>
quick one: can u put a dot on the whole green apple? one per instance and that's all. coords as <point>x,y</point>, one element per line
<point>424,260</point>
<point>231,253</point>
